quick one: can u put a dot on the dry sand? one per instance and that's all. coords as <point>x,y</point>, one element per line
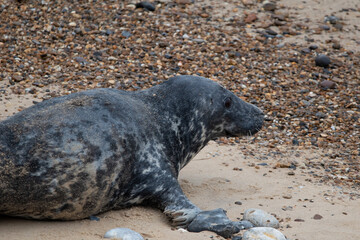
<point>210,181</point>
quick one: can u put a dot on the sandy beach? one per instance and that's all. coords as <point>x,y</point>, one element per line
<point>287,180</point>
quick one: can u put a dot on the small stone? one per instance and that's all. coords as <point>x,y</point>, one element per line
<point>238,203</point>
<point>320,115</point>
<point>336,46</point>
<point>328,84</point>
<point>263,233</point>
<point>198,40</point>
<point>185,36</point>
<point>260,218</point>
<point>36,42</point>
<point>299,220</point>
<point>251,17</point>
<point>271,32</point>
<point>145,5</point>
<point>248,2</point>
<point>332,19</point>
<point>183,2</point>
<point>313,47</point>
<point>163,44</point>
<point>305,50</point>
<point>291,173</point>
<point>80,59</point>
<point>269,6</point>
<point>287,196</point>
<point>72,24</point>
<point>322,60</point>
<point>126,34</point>
<point>18,78</point>
<point>325,27</point>
<point>293,60</point>
<point>295,142</point>
<point>317,217</point>
<point>123,234</point>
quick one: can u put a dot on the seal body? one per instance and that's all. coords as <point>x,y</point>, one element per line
<point>89,152</point>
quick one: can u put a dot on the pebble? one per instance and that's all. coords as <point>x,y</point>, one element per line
<point>80,59</point>
<point>260,218</point>
<point>287,196</point>
<point>269,6</point>
<point>145,5</point>
<point>320,115</point>
<point>18,78</point>
<point>271,32</point>
<point>251,17</point>
<point>248,2</point>
<point>328,84</point>
<point>336,46</point>
<point>123,234</point>
<point>263,233</point>
<point>317,217</point>
<point>325,27</point>
<point>126,34</point>
<point>332,19</point>
<point>299,220</point>
<point>322,60</point>
<point>313,47</point>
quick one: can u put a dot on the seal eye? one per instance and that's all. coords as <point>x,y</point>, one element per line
<point>228,102</point>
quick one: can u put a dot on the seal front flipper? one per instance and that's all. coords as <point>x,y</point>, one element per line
<point>216,221</point>
<point>178,207</point>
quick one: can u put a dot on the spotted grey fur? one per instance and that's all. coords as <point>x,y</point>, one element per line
<point>89,152</point>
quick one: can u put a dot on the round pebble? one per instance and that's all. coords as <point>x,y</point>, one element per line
<point>263,233</point>
<point>123,234</point>
<point>260,218</point>
<point>328,84</point>
<point>269,6</point>
<point>322,60</point>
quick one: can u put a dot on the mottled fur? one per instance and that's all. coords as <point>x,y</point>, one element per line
<point>89,152</point>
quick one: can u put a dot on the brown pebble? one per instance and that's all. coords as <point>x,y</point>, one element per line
<point>317,217</point>
<point>291,173</point>
<point>299,220</point>
<point>287,196</point>
<point>328,84</point>
<point>251,17</point>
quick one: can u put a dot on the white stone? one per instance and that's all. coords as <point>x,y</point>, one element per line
<point>260,218</point>
<point>263,233</point>
<point>123,234</point>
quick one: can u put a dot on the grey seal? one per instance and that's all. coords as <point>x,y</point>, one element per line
<point>79,155</point>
